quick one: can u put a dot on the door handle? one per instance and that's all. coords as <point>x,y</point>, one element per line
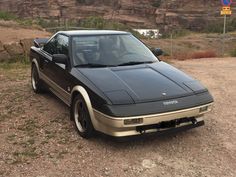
<point>46,61</point>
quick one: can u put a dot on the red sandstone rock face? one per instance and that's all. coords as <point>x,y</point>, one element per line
<point>138,13</point>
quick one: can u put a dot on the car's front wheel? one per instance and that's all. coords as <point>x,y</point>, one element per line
<point>81,117</point>
<point>36,82</point>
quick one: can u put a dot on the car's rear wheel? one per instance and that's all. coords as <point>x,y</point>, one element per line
<point>36,82</point>
<point>81,117</point>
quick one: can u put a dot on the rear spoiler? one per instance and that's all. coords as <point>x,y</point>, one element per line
<point>39,42</point>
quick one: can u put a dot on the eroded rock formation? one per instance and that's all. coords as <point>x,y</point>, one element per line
<point>192,14</point>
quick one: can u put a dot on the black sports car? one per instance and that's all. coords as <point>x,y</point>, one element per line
<point>114,84</point>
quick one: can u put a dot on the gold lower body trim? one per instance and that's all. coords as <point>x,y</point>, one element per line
<point>115,126</point>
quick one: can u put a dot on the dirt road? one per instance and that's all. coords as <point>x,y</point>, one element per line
<point>37,138</point>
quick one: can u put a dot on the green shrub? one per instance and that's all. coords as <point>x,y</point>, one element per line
<point>14,65</point>
<point>19,58</point>
<point>25,21</point>
<point>93,22</point>
<point>176,33</point>
<point>100,23</point>
<point>87,2</point>
<point>165,54</point>
<point>233,53</point>
<point>7,16</point>
<point>214,27</point>
<point>231,26</point>
<point>157,3</point>
<point>217,26</point>
<point>46,23</point>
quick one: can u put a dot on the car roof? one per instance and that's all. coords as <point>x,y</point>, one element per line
<point>91,32</point>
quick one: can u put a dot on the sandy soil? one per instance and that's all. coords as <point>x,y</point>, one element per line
<point>10,34</point>
<point>38,139</point>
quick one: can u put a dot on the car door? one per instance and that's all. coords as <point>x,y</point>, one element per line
<point>58,74</point>
<point>46,57</point>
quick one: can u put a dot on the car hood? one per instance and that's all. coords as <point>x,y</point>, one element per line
<point>142,83</point>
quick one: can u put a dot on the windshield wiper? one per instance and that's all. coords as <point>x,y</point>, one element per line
<point>93,65</point>
<point>135,63</point>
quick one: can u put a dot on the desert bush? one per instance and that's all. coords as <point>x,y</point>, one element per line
<point>157,3</point>
<point>14,65</point>
<point>233,53</point>
<point>231,26</point>
<point>181,56</point>
<point>214,27</point>
<point>46,23</point>
<point>176,33</point>
<point>19,58</point>
<point>195,55</point>
<point>27,21</point>
<point>94,22</point>
<point>203,54</point>
<point>7,16</point>
<point>217,26</point>
<point>87,2</point>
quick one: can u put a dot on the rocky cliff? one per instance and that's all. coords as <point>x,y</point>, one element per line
<point>194,14</point>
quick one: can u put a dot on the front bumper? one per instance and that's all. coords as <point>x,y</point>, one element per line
<point>136,125</point>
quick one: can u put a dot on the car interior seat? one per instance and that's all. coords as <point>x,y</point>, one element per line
<point>106,51</point>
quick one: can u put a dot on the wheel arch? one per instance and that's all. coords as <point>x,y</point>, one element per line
<point>35,62</point>
<point>81,90</point>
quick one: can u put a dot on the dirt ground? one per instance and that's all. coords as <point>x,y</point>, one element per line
<point>11,34</point>
<point>37,139</point>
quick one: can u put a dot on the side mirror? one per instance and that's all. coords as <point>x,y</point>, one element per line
<point>157,52</point>
<point>60,58</point>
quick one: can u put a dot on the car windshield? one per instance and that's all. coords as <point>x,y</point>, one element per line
<point>109,50</point>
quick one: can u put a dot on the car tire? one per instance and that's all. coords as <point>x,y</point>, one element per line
<point>36,82</point>
<point>81,117</point>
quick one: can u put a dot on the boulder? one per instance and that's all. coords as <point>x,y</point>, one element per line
<point>26,44</point>
<point>4,56</point>
<point>14,49</point>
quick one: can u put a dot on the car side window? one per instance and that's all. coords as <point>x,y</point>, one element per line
<point>62,45</point>
<point>57,45</point>
<point>51,46</point>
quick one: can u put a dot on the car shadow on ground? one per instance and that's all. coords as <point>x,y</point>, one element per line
<point>142,140</point>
